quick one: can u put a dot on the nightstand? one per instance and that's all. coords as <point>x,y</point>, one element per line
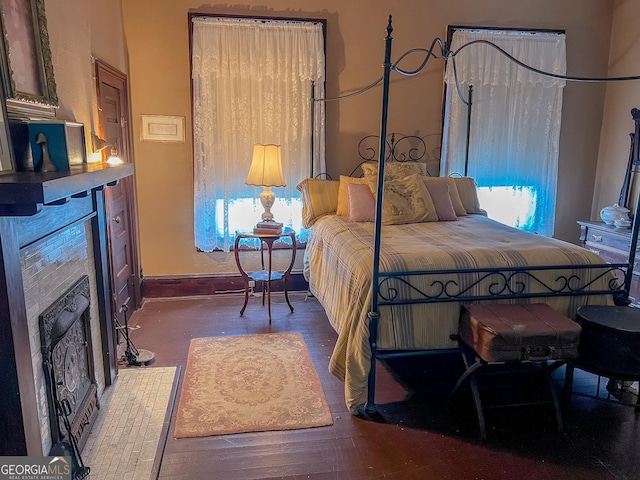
<point>612,244</point>
<point>266,275</point>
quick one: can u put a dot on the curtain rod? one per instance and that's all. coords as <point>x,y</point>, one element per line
<point>208,18</point>
<point>446,54</point>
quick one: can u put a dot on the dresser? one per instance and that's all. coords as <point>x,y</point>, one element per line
<point>612,244</point>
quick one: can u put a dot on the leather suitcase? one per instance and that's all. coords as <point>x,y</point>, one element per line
<point>610,340</point>
<point>523,332</point>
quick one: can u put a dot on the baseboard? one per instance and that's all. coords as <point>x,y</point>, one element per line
<point>162,287</point>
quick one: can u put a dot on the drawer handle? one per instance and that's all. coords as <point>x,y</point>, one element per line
<point>597,252</point>
<point>596,238</point>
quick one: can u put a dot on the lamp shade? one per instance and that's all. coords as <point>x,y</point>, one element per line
<point>266,167</point>
<point>98,143</point>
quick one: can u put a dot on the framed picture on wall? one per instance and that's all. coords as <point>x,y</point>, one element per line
<point>162,128</point>
<point>28,75</point>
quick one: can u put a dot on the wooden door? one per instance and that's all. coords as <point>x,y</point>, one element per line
<point>114,127</point>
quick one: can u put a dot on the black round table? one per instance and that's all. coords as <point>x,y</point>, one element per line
<point>609,344</point>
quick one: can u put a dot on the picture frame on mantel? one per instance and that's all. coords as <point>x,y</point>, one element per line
<point>27,77</point>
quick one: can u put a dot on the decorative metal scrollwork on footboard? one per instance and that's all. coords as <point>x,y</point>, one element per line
<point>471,285</point>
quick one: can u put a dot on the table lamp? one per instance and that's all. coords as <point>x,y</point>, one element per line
<point>266,171</point>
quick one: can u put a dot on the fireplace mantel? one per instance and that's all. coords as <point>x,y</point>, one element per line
<point>35,206</point>
<point>24,193</point>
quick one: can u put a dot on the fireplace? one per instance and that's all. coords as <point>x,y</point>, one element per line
<point>62,305</point>
<point>67,354</point>
<point>53,242</point>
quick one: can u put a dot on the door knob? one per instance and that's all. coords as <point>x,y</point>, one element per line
<point>116,219</point>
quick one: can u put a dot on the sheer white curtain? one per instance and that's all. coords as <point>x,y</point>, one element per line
<point>252,83</point>
<point>515,123</point>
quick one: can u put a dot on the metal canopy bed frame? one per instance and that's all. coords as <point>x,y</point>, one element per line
<point>500,283</point>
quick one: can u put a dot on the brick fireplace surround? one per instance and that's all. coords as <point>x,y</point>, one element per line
<point>52,232</point>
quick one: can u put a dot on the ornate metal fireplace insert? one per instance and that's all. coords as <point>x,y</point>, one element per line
<point>65,336</point>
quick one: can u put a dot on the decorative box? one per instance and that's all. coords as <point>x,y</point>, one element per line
<point>47,145</point>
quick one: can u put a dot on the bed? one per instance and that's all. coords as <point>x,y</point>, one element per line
<point>392,276</point>
<point>427,270</point>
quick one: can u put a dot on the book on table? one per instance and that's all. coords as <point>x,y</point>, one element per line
<point>269,225</point>
<point>267,231</point>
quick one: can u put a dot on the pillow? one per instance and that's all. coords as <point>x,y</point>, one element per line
<point>453,192</point>
<point>406,200</point>
<point>467,189</point>
<point>362,205</point>
<point>319,198</point>
<point>343,193</point>
<point>395,170</point>
<point>439,193</point>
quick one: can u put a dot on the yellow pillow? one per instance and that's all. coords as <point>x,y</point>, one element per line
<point>467,189</point>
<point>394,170</point>
<point>406,200</point>
<point>343,194</point>
<point>453,193</point>
<point>319,198</point>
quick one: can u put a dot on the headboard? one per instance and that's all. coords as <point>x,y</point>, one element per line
<point>406,148</point>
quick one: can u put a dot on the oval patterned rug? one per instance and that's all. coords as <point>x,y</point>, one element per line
<point>249,383</point>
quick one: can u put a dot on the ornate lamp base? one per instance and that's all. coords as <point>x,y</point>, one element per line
<point>267,198</point>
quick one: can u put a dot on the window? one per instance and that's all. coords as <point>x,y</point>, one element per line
<point>253,82</point>
<point>515,123</point>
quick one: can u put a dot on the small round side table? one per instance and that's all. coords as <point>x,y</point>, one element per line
<point>266,275</point>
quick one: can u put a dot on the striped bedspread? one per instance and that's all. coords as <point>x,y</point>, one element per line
<point>338,266</point>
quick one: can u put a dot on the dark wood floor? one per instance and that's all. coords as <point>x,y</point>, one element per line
<point>420,434</point>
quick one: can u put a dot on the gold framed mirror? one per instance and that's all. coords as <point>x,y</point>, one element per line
<point>28,76</point>
<point>7,163</point>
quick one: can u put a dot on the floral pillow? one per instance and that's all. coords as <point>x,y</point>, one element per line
<point>394,170</point>
<point>406,200</point>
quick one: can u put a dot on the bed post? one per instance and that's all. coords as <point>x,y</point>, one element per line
<point>313,123</point>
<point>634,160</point>
<point>466,152</point>
<point>374,314</point>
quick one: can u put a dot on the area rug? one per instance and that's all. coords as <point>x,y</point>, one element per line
<point>250,383</point>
